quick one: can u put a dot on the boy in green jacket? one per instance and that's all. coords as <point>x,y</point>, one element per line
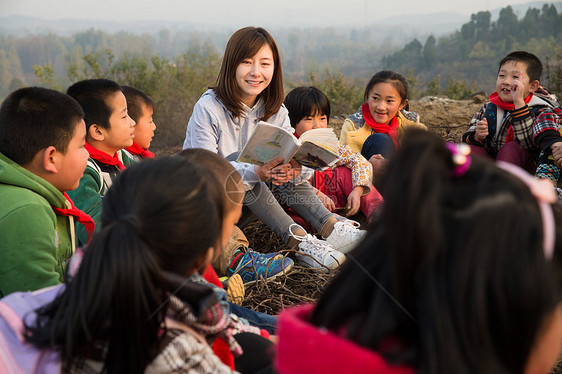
<point>109,130</point>
<point>42,154</point>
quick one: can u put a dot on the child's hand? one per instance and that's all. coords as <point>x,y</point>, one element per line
<point>283,173</point>
<point>378,162</point>
<point>264,172</point>
<point>481,130</point>
<point>557,153</point>
<point>328,203</point>
<point>517,92</point>
<point>354,201</point>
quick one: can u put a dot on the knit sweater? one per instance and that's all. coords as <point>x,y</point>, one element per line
<point>34,242</point>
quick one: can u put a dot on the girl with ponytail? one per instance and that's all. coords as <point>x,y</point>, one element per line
<point>131,307</point>
<point>457,275</point>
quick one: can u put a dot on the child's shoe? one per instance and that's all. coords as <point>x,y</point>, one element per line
<point>315,253</point>
<point>345,236</point>
<point>252,265</point>
<point>235,290</point>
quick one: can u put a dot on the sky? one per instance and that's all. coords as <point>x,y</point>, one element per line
<point>245,12</point>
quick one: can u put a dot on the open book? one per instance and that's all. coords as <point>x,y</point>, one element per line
<point>317,148</point>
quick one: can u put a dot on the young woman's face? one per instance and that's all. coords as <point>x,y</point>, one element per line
<point>311,122</point>
<point>254,74</point>
<point>384,102</point>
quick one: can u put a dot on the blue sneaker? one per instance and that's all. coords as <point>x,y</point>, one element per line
<point>253,265</point>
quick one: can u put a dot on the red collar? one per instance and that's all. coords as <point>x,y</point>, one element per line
<point>495,99</point>
<point>136,149</point>
<point>390,129</point>
<point>103,157</point>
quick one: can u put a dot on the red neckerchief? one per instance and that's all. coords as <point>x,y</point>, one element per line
<point>100,156</point>
<point>495,99</point>
<point>78,215</point>
<point>382,128</point>
<point>136,149</point>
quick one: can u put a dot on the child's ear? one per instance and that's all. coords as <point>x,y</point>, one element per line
<point>49,160</point>
<point>404,103</point>
<point>534,86</point>
<point>96,132</point>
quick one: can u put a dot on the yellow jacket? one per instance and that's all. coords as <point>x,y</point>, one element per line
<point>354,131</point>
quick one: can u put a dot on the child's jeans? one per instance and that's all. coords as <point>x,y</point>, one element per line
<point>264,203</point>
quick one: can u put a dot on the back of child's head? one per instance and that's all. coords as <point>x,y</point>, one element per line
<point>34,118</point>
<point>461,280</point>
<point>229,179</point>
<point>136,99</point>
<point>397,80</point>
<point>243,44</point>
<point>94,96</point>
<point>302,102</point>
<point>159,217</point>
<point>533,63</point>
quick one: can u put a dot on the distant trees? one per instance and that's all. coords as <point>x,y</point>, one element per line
<point>471,55</point>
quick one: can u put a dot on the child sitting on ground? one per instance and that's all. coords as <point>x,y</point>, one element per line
<point>131,306</point>
<point>249,89</point>
<point>460,274</point>
<point>141,108</point>
<point>109,129</point>
<point>375,130</point>
<point>503,127</point>
<point>349,186</point>
<point>42,155</point>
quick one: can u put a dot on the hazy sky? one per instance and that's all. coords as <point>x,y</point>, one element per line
<point>244,12</point>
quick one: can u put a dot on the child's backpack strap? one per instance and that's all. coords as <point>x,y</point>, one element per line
<point>17,356</point>
<point>91,163</point>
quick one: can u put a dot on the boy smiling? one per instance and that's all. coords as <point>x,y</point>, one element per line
<point>503,127</point>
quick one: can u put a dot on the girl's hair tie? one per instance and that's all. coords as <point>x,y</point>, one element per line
<point>543,191</point>
<point>461,158</point>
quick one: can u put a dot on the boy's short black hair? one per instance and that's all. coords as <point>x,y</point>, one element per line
<point>94,95</point>
<point>34,118</point>
<point>534,65</point>
<point>135,100</point>
<point>305,101</point>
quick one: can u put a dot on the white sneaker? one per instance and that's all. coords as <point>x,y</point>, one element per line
<point>346,235</point>
<point>316,253</point>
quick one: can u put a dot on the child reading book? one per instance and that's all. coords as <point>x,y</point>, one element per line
<point>349,185</point>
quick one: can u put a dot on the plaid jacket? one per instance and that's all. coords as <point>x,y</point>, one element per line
<point>500,121</point>
<point>547,131</point>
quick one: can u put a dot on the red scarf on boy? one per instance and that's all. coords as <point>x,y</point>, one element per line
<point>136,149</point>
<point>382,128</point>
<point>78,215</point>
<point>100,156</point>
<point>495,99</point>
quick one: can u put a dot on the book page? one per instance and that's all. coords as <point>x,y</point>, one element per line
<point>268,142</point>
<point>315,156</point>
<point>324,137</point>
